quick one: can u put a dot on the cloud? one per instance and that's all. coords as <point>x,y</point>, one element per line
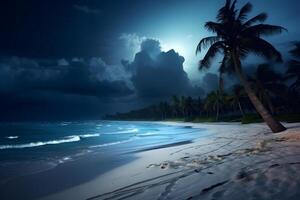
<point>152,48</point>
<point>90,78</point>
<point>82,88</point>
<point>86,9</point>
<point>132,44</point>
<point>158,74</point>
<point>62,62</point>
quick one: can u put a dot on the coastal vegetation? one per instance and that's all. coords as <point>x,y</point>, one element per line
<point>265,95</point>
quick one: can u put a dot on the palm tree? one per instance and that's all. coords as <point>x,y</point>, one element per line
<point>267,84</point>
<point>183,106</point>
<point>236,37</point>
<point>235,99</point>
<point>198,106</point>
<point>176,106</point>
<point>164,109</point>
<point>214,102</point>
<point>293,71</point>
<point>189,106</point>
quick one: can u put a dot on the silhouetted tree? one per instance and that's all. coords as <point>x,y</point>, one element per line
<point>293,72</point>
<point>183,106</point>
<point>189,106</point>
<point>176,106</point>
<point>214,102</point>
<point>267,84</point>
<point>236,37</point>
<point>236,98</point>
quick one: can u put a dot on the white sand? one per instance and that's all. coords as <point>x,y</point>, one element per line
<point>235,162</point>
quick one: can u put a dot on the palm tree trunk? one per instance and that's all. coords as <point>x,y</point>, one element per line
<point>241,109</point>
<point>270,104</point>
<point>274,125</point>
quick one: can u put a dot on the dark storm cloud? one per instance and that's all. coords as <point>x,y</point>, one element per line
<point>158,74</point>
<point>64,90</point>
<point>77,77</point>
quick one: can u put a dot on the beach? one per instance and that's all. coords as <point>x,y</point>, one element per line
<point>235,162</point>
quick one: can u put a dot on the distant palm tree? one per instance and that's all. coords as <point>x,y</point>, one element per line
<point>214,102</point>
<point>198,106</point>
<point>176,106</point>
<point>189,104</point>
<point>293,71</point>
<point>163,109</point>
<point>235,99</point>
<point>235,38</point>
<point>183,106</point>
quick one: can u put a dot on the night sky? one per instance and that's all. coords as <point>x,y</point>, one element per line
<point>82,59</point>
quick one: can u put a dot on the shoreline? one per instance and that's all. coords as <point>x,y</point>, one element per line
<point>199,168</point>
<point>233,154</point>
<point>88,166</point>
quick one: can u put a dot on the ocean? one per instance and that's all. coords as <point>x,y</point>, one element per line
<point>34,148</point>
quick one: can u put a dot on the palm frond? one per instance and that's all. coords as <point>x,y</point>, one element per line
<point>227,13</point>
<point>258,18</point>
<point>246,9</point>
<point>223,11</point>
<point>205,42</point>
<point>232,8</point>
<point>263,29</point>
<point>213,27</point>
<point>211,53</point>
<point>261,47</point>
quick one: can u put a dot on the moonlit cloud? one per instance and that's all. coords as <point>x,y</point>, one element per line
<point>158,74</point>
<point>132,44</point>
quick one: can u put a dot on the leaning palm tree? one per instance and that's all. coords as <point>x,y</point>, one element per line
<point>236,37</point>
<point>267,84</point>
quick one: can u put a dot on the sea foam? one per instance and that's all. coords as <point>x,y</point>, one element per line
<point>12,137</point>
<point>134,130</point>
<point>90,135</point>
<point>74,138</point>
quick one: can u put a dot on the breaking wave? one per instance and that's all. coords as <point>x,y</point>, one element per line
<point>90,135</point>
<point>12,137</point>
<point>74,138</point>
